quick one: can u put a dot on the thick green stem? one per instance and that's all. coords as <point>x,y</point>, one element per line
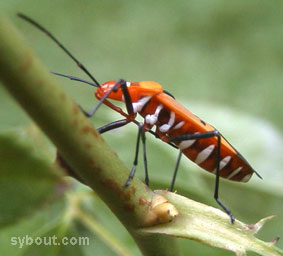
<point>81,146</point>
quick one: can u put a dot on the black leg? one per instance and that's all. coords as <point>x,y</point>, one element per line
<point>203,136</point>
<point>141,134</point>
<point>175,171</point>
<point>146,180</point>
<point>157,136</point>
<point>127,97</point>
<point>132,173</point>
<point>112,126</point>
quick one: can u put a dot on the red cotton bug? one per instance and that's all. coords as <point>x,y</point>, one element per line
<point>175,125</point>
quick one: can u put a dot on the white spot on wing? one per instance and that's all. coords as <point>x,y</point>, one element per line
<point>246,178</point>
<point>128,84</point>
<point>204,154</point>
<point>178,125</point>
<point>224,162</point>
<point>186,144</point>
<point>166,127</point>
<point>152,119</point>
<point>234,173</point>
<point>137,106</point>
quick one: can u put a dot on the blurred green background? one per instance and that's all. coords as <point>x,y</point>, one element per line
<point>222,59</point>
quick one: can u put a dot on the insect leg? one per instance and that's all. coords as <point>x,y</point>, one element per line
<point>204,136</point>
<point>175,171</point>
<point>127,97</point>
<point>146,180</point>
<point>112,126</point>
<point>141,134</point>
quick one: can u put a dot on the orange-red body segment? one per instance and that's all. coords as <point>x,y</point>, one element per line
<point>137,90</point>
<point>172,119</point>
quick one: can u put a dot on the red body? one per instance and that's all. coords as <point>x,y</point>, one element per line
<point>171,119</point>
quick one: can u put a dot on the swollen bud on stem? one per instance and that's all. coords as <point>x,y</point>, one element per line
<point>160,211</point>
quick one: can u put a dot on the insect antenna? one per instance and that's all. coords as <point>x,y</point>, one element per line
<point>80,65</point>
<point>75,79</point>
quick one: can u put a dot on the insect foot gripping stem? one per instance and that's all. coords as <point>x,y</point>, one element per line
<point>160,211</point>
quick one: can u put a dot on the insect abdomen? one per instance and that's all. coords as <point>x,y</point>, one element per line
<point>203,152</point>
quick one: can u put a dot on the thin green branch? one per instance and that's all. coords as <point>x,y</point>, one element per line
<point>37,91</point>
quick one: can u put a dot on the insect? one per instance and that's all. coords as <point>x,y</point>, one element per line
<point>174,124</point>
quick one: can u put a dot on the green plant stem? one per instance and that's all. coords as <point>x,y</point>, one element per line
<point>37,91</point>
